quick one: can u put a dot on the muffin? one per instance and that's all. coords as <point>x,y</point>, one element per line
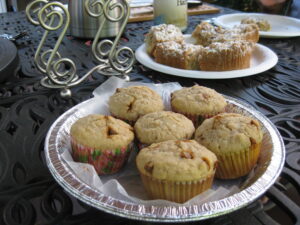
<point>162,33</point>
<point>262,24</point>
<point>197,103</point>
<point>182,56</point>
<point>162,126</point>
<point>235,139</point>
<point>176,170</point>
<point>246,32</point>
<point>103,141</point>
<point>205,33</point>
<point>133,102</point>
<point>231,55</point>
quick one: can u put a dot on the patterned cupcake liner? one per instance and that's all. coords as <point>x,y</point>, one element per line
<point>198,119</point>
<point>237,164</point>
<point>175,191</point>
<point>104,161</point>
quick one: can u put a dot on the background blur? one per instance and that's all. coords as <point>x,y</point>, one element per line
<point>282,7</point>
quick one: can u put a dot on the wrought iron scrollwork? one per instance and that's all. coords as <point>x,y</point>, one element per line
<point>61,71</point>
<point>106,50</point>
<point>52,16</point>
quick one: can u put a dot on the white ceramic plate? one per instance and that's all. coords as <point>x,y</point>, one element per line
<point>262,59</point>
<point>281,26</point>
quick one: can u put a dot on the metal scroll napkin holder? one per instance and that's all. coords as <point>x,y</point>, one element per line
<point>60,71</point>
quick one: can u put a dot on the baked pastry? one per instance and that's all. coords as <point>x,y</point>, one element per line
<point>205,33</point>
<point>247,32</point>
<point>235,139</point>
<point>162,33</point>
<point>262,24</point>
<point>103,141</point>
<point>176,170</point>
<point>133,102</point>
<point>197,103</point>
<point>183,56</point>
<point>224,49</point>
<point>162,126</point>
<point>225,56</point>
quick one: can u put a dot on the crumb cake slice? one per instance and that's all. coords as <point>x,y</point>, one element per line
<point>183,56</point>
<point>231,55</point>
<point>162,33</point>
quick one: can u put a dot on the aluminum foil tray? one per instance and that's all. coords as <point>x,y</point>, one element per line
<point>263,176</point>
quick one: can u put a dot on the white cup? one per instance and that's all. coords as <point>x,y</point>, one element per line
<point>171,12</point>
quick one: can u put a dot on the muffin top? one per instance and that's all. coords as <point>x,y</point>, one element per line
<point>172,48</point>
<point>164,32</point>
<point>239,47</point>
<point>205,33</point>
<point>162,126</point>
<point>248,32</point>
<point>132,102</point>
<point>197,100</point>
<point>176,160</point>
<point>263,24</point>
<point>229,132</point>
<point>102,132</point>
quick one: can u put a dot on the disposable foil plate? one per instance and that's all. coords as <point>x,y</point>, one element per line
<point>263,176</point>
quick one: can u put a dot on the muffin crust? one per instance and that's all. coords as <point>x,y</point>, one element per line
<point>183,160</point>
<point>132,102</point>
<point>161,126</point>
<point>197,100</point>
<point>229,132</point>
<point>102,132</point>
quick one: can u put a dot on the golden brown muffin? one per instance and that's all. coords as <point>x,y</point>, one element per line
<point>133,102</point>
<point>176,170</point>
<point>197,103</point>
<point>235,139</point>
<point>162,33</point>
<point>183,56</point>
<point>226,56</point>
<point>103,141</point>
<point>162,126</point>
<point>262,24</point>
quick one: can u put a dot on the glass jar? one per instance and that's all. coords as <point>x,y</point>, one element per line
<point>171,12</point>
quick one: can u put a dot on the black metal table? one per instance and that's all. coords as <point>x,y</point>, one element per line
<point>30,195</point>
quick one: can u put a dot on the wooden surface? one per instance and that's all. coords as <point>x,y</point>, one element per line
<point>146,13</point>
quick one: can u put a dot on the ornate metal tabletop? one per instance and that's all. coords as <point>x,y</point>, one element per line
<point>28,192</point>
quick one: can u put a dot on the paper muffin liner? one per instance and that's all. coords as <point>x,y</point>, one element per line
<point>198,119</point>
<point>237,164</point>
<point>229,59</point>
<point>107,161</point>
<point>175,191</point>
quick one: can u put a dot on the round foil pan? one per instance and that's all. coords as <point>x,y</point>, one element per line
<point>268,169</point>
